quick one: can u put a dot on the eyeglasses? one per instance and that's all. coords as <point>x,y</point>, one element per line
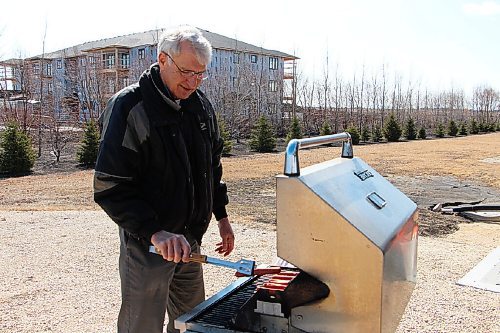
<point>189,74</point>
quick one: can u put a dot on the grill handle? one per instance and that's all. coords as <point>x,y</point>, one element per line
<point>292,150</point>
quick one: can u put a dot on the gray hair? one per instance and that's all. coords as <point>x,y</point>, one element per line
<point>171,39</point>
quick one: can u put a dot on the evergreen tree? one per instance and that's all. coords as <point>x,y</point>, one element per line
<point>376,134</point>
<point>440,131</point>
<point>410,130</point>
<point>392,130</point>
<point>89,146</point>
<point>452,128</point>
<point>354,134</point>
<point>421,133</point>
<point>16,153</point>
<point>474,129</point>
<point>463,128</point>
<point>294,131</point>
<point>325,129</point>
<point>225,135</point>
<point>262,138</point>
<point>365,134</point>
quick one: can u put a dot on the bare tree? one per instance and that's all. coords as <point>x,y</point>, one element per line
<point>360,100</point>
<point>41,93</point>
<point>306,92</point>
<point>484,101</point>
<point>337,99</point>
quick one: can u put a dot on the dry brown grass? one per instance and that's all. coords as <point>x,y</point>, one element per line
<point>461,157</point>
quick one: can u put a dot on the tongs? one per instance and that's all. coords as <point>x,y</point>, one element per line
<point>243,266</point>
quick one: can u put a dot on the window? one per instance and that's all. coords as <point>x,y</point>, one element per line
<point>91,60</point>
<point>124,60</point>
<point>125,82</point>
<point>59,64</point>
<point>236,58</point>
<point>50,87</point>
<point>83,62</point>
<point>49,70</point>
<point>141,53</point>
<point>273,63</point>
<point>273,108</point>
<point>36,69</point>
<point>111,85</point>
<point>273,86</point>
<point>253,58</point>
<point>108,60</point>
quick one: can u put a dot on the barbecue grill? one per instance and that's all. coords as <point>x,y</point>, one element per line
<point>351,239</point>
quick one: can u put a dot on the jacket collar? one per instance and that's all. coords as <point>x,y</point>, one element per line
<point>157,99</point>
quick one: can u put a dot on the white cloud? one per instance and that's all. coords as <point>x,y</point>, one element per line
<point>484,8</point>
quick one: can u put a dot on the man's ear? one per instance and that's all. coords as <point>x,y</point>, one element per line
<point>162,59</point>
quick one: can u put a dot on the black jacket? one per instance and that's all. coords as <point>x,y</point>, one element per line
<point>159,164</point>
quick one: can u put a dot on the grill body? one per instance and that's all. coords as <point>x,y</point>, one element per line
<point>346,226</point>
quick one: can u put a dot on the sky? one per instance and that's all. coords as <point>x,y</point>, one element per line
<point>436,44</point>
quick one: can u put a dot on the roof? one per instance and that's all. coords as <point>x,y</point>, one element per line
<point>150,38</point>
<point>11,62</point>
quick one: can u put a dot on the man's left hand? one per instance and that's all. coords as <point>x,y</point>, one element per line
<point>226,233</point>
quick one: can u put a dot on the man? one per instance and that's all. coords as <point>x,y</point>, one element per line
<point>158,176</point>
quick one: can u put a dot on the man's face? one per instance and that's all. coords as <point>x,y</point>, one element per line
<point>182,74</point>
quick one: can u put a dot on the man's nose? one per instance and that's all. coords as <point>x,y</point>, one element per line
<point>193,81</point>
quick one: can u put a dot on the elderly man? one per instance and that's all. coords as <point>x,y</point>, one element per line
<point>158,176</point>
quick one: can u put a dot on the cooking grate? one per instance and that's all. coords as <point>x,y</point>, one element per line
<point>221,313</point>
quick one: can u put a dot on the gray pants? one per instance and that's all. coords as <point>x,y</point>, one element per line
<point>151,285</point>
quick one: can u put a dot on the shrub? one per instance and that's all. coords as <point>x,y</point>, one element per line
<point>410,130</point>
<point>354,134</point>
<point>392,130</point>
<point>463,129</point>
<point>421,133</point>
<point>376,134</point>
<point>365,134</point>
<point>325,129</point>
<point>16,153</point>
<point>224,133</point>
<point>262,138</point>
<point>294,131</point>
<point>452,128</point>
<point>440,131</point>
<point>89,147</point>
<point>474,129</point>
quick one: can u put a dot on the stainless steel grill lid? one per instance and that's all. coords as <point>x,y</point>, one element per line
<point>346,225</point>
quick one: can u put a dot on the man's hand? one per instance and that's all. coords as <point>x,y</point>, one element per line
<point>173,247</point>
<point>226,233</point>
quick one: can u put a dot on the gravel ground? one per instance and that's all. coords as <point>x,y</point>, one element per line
<point>60,274</point>
<point>58,251</point>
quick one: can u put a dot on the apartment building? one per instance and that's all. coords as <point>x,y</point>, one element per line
<point>244,80</point>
